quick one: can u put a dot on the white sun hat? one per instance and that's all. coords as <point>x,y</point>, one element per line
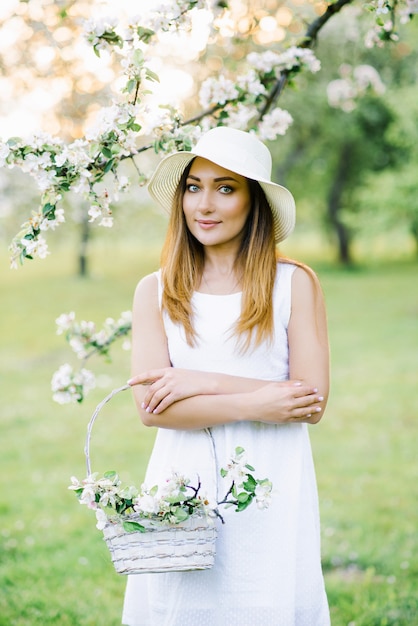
<point>236,151</point>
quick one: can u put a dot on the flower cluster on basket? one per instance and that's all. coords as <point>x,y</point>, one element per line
<point>172,502</point>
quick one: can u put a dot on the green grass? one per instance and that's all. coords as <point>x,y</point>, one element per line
<point>54,565</point>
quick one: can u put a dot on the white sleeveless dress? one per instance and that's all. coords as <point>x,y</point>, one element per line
<point>267,569</point>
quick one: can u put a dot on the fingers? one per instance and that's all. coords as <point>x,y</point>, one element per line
<point>308,406</point>
<point>146,378</point>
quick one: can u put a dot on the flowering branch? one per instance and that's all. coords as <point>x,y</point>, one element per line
<point>72,386</point>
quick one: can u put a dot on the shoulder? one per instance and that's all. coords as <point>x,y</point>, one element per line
<point>304,278</point>
<point>147,289</point>
<point>307,293</point>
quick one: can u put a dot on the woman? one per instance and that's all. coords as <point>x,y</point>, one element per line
<point>230,336</point>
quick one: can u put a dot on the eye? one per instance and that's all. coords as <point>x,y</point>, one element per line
<point>225,189</point>
<point>192,188</point>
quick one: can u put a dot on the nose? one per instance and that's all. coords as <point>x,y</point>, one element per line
<point>205,203</point>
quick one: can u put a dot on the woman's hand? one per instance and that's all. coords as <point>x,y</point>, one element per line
<point>285,402</point>
<point>170,384</point>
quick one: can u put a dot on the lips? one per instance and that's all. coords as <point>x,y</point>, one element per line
<point>206,224</point>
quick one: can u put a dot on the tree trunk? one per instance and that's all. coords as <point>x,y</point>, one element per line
<point>414,231</point>
<point>84,244</point>
<point>334,205</point>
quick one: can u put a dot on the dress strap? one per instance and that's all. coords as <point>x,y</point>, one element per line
<point>160,287</point>
<point>283,291</point>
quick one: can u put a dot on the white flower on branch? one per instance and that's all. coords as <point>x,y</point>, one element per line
<point>48,224</point>
<point>251,83</point>
<point>65,322</point>
<point>240,115</point>
<point>354,83</point>
<point>293,58</point>
<point>36,247</point>
<point>263,494</point>
<point>69,386</point>
<point>4,153</point>
<point>217,91</point>
<point>273,124</point>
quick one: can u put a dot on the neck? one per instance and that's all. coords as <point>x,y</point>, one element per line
<point>219,279</point>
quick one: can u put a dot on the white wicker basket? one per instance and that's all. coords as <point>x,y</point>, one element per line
<point>162,548</point>
<point>189,545</point>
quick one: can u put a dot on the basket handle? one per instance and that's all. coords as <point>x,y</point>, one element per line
<point>99,408</point>
<point>93,419</point>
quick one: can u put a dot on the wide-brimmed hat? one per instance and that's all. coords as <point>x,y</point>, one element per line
<point>236,151</point>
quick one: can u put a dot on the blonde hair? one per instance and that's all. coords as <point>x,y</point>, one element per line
<point>182,263</point>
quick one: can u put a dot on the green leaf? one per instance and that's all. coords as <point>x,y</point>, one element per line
<point>144,34</point>
<point>181,515</point>
<point>243,496</point>
<point>138,58</point>
<point>239,451</point>
<point>250,484</point>
<point>109,165</point>
<point>242,506</point>
<point>110,475</point>
<point>223,472</point>
<point>152,75</point>
<point>106,152</point>
<point>130,85</point>
<point>250,467</point>
<point>131,527</point>
<point>48,208</point>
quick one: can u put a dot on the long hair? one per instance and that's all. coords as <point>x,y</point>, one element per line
<point>182,263</point>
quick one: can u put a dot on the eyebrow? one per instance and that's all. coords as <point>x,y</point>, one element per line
<point>216,180</point>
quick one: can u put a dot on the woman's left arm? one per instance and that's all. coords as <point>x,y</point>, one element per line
<point>308,336</point>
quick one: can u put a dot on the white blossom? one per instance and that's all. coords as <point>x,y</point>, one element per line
<point>341,94</point>
<point>69,386</point>
<point>64,322</point>
<point>4,153</point>
<point>381,7</point>
<point>36,247</point>
<point>101,518</point>
<point>236,469</point>
<point>82,185</point>
<point>106,222</point>
<point>355,82</point>
<point>240,115</point>
<point>75,154</point>
<point>94,212</point>
<point>95,29</point>
<point>264,62</point>
<point>217,91</point>
<point>263,494</point>
<point>250,82</point>
<point>366,76</point>
<point>77,345</point>
<point>147,504</point>
<point>292,58</point>
<point>275,123</point>
<point>48,224</point>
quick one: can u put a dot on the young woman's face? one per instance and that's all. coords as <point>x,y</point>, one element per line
<point>216,204</point>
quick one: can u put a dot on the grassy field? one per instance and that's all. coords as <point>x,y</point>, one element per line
<point>54,566</point>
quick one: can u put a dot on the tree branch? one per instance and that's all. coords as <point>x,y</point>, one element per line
<point>308,41</point>
<point>314,28</point>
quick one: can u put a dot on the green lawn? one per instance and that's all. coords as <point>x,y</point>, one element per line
<point>54,566</point>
